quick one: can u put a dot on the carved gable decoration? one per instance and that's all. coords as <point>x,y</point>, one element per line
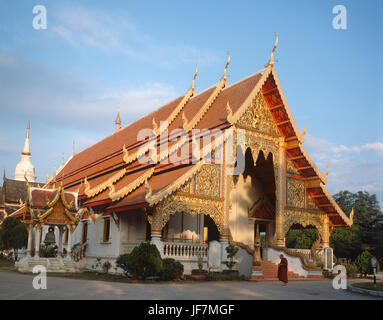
<point>258,117</point>
<point>207,181</point>
<point>295,193</point>
<point>57,210</point>
<point>311,203</point>
<point>291,168</point>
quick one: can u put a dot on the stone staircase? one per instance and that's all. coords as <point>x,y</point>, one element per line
<point>270,272</point>
<point>51,265</point>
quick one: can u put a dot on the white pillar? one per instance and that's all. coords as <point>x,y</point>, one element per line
<point>156,239</point>
<point>29,247</point>
<point>37,242</point>
<point>69,245</point>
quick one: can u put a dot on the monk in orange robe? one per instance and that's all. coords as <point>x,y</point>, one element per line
<point>282,270</point>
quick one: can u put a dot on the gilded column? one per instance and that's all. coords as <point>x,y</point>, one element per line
<point>156,233</point>
<point>325,243</point>
<point>279,237</point>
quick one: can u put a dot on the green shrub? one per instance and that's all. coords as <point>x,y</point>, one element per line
<point>48,251</point>
<point>144,261</point>
<point>122,262</point>
<point>231,252</point>
<point>334,259</point>
<point>351,268</point>
<point>171,270</point>
<point>363,261</point>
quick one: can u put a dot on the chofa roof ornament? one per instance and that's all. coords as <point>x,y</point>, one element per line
<point>271,61</point>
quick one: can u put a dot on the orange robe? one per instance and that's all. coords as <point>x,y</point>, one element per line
<point>282,270</point>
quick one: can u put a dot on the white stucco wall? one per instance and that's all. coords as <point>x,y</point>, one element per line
<point>245,194</point>
<point>294,263</point>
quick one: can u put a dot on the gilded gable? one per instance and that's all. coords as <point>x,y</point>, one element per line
<point>258,117</point>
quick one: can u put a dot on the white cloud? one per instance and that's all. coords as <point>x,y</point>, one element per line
<point>374,146</point>
<point>92,28</point>
<point>349,167</point>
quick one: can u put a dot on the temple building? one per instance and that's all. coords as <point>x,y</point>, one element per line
<point>204,171</point>
<point>13,193</point>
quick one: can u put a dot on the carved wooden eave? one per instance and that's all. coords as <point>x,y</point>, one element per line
<point>123,192</point>
<point>347,220</point>
<point>91,192</point>
<point>153,199</point>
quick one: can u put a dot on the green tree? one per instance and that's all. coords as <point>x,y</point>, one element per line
<point>368,224</point>
<point>301,238</point>
<point>13,235</point>
<point>346,243</point>
<point>363,261</point>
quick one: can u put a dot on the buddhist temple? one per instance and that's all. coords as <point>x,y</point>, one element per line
<point>205,171</point>
<point>13,193</point>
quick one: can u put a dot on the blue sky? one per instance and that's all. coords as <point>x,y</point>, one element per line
<point>97,56</point>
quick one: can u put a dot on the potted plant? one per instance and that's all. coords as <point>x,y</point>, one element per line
<point>230,263</point>
<point>199,274</point>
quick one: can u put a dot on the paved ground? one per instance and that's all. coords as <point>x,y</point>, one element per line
<point>19,286</point>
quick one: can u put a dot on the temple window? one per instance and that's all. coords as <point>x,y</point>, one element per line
<point>106,234</point>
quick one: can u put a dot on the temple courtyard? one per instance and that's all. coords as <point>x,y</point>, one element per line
<point>16,286</point>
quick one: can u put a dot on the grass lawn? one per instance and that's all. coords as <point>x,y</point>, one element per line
<point>369,285</point>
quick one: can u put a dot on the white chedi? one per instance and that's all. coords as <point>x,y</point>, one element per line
<point>25,168</point>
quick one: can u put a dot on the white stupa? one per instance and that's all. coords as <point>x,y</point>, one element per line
<point>25,167</point>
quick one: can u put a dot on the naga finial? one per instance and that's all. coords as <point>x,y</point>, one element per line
<point>352,215</point>
<point>326,174</point>
<point>195,76</point>
<point>303,133</point>
<point>185,121</point>
<point>229,117</point>
<point>271,61</point>
<point>227,64</point>
<point>149,190</point>
<point>155,126</point>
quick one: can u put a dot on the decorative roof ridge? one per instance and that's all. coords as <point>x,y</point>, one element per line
<point>91,192</point>
<point>320,175</point>
<point>286,106</point>
<point>123,192</point>
<point>167,191</point>
<point>237,114</point>
<point>206,106</point>
<point>348,220</point>
<point>244,79</point>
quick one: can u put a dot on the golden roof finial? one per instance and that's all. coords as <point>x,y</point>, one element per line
<point>73,151</point>
<point>229,111</point>
<point>155,126</point>
<point>184,121</point>
<point>195,76</point>
<point>227,64</point>
<point>303,134</point>
<point>326,175</point>
<point>28,128</point>
<point>118,120</point>
<point>271,61</point>
<point>62,159</point>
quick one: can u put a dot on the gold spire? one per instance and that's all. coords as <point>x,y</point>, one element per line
<point>118,121</point>
<point>28,128</point>
<point>73,151</point>
<point>271,61</point>
<point>195,76</point>
<point>62,159</point>
<point>227,64</point>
